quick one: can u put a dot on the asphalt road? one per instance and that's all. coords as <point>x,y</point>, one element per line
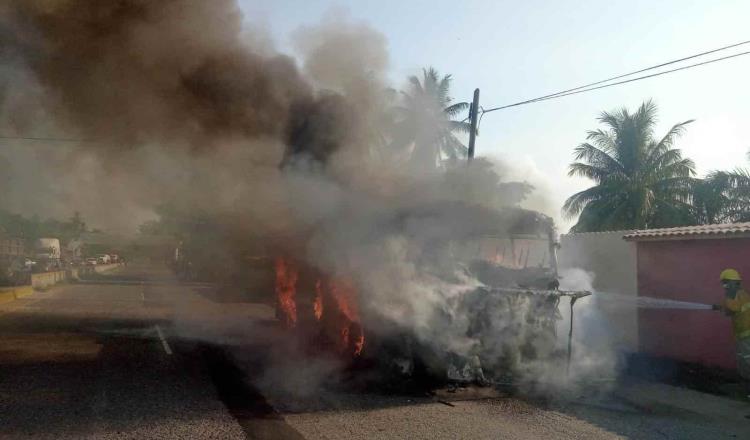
<point>135,354</point>
<point>95,360</point>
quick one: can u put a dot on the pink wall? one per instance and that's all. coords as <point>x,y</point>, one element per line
<point>689,271</point>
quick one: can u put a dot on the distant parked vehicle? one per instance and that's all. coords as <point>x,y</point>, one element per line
<point>114,258</point>
<point>103,259</point>
<point>92,261</point>
<point>47,253</point>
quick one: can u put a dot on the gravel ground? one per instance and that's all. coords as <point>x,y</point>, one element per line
<point>317,408</point>
<point>482,419</point>
<point>388,417</point>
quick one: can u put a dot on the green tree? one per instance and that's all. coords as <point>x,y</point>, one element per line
<point>425,122</point>
<point>710,199</point>
<point>722,197</point>
<point>76,224</point>
<point>640,181</point>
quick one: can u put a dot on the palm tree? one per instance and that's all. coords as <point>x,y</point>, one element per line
<point>710,199</point>
<point>722,197</point>
<point>739,193</point>
<point>425,121</point>
<point>640,181</point>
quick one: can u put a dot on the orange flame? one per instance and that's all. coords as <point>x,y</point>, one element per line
<point>343,292</point>
<point>318,304</point>
<point>344,337</point>
<point>286,290</point>
<point>359,345</point>
<point>344,295</point>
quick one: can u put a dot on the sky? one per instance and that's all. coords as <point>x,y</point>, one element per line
<point>515,50</point>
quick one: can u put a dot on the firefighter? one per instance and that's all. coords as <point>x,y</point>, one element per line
<point>736,305</point>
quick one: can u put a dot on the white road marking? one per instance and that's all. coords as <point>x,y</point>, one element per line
<point>163,341</point>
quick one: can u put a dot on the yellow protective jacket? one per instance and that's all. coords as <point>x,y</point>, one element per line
<point>739,310</point>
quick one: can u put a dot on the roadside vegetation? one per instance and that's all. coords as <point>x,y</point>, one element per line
<point>640,178</point>
<point>31,228</point>
<point>643,181</point>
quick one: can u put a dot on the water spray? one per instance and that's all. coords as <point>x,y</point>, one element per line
<point>646,302</point>
<point>574,296</point>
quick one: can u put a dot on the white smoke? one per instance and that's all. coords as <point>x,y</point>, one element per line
<point>594,358</point>
<point>183,108</point>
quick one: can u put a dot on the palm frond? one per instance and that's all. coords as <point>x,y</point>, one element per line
<point>611,120</point>
<point>602,140</point>
<point>454,109</point>
<point>739,177</point>
<point>595,173</point>
<point>680,168</point>
<point>646,113</point>
<point>443,90</point>
<point>430,82</point>
<point>676,131</point>
<point>416,85</point>
<point>576,203</point>
<point>453,148</point>
<point>667,163</point>
<point>460,126</point>
<point>595,156</point>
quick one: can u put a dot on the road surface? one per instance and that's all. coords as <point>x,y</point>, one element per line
<point>135,354</point>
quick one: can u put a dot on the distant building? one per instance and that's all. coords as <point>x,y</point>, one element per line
<point>11,248</point>
<point>684,264</point>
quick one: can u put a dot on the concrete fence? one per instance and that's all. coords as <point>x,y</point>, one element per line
<point>77,272</point>
<point>46,279</point>
<point>8,294</point>
<point>106,267</point>
<point>41,281</point>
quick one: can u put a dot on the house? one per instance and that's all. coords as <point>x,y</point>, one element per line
<point>11,248</point>
<point>684,264</point>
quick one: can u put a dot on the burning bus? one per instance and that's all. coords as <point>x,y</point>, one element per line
<point>483,302</point>
<point>508,314</point>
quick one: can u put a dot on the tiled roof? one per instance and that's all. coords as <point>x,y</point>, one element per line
<point>728,230</point>
<point>621,232</point>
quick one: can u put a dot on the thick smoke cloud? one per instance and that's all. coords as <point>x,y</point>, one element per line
<point>132,72</point>
<point>174,102</point>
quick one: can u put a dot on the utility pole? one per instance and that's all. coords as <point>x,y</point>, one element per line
<point>473,115</point>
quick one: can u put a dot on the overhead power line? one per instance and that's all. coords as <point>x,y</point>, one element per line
<point>576,90</point>
<point>590,86</point>
<point>45,139</point>
<point>650,76</point>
